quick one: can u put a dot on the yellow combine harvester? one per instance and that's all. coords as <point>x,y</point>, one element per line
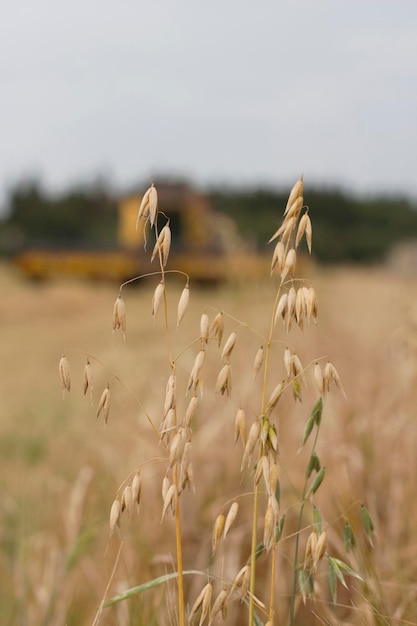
<point>205,245</point>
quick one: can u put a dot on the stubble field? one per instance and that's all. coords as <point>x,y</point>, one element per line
<point>61,467</point>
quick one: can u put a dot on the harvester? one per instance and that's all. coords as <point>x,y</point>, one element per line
<point>205,245</point>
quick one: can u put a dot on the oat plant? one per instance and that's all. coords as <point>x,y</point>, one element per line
<point>250,590</point>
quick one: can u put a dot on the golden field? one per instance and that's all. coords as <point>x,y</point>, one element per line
<point>61,467</point>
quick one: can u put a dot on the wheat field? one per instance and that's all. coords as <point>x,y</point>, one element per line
<point>61,466</point>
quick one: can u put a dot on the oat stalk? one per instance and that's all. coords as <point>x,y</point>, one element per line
<point>298,533</point>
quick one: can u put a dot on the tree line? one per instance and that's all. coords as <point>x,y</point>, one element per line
<point>346,227</point>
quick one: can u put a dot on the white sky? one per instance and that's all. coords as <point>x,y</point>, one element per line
<point>231,91</point>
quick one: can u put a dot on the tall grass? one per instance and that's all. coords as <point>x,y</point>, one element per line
<point>270,547</point>
<point>61,466</point>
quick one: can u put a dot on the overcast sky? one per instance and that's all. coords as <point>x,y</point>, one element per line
<point>231,91</point>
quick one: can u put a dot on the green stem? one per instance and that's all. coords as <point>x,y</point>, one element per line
<point>178,540</point>
<point>272,587</point>
<point>294,580</point>
<point>256,495</point>
<point>297,540</point>
<point>253,556</point>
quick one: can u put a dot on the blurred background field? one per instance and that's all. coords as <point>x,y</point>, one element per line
<point>223,105</point>
<point>61,467</point>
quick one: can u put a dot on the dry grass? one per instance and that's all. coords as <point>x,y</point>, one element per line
<point>61,468</point>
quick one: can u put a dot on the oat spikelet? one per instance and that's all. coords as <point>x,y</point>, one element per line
<point>148,206</point>
<point>292,297</point>
<point>310,549</point>
<point>281,307</point>
<point>163,244</point>
<point>220,604</point>
<point>278,257</point>
<point>289,264</point>
<point>273,437</point>
<point>296,191</point>
<point>273,477</point>
<point>157,298</point>
<point>269,526</point>
<point>176,448</point>
<point>203,600</point>
<point>319,549</point>
<point>224,381</point>
<point>64,374</point>
<point>168,423</point>
<point>170,500</point>
<point>157,246</point>
<point>228,346</point>
<point>183,303</point>
<point>170,393</point>
<point>275,396</point>
<point>88,379</point>
<point>190,412</point>
<point>298,369</point>
<point>153,204</point>
<point>241,581</point>
<point>204,328</point>
<point>217,532</point>
<point>190,477</point>
<point>259,359</point>
<point>318,377</point>
<point>196,371</point>
<point>166,243</point>
<point>300,307</point>
<point>290,312</point>
<point>312,304</point>
<point>288,361</point>
<point>185,464</point>
<point>143,208</point>
<point>331,374</point>
<point>260,469</point>
<point>279,232</point>
<point>253,438</point>
<point>259,604</point>
<point>240,426</point>
<point>115,513</point>
<point>136,489</point>
<point>119,315</point>
<point>127,500</point>
<point>104,404</point>
<point>309,234</point>
<point>266,472</point>
<point>304,226</point>
<point>295,208</point>
<point>217,327</point>
<point>166,483</point>
<point>288,226</point>
<point>230,518</point>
